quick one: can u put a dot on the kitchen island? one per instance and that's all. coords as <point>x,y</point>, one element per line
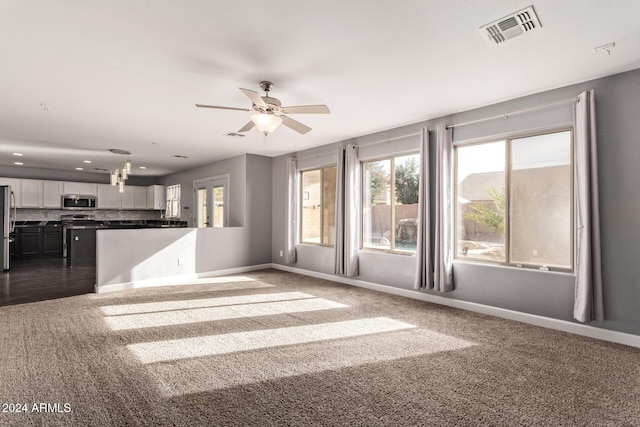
<point>80,239</point>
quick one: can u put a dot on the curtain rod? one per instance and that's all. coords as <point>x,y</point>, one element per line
<point>513,113</point>
<point>312,156</point>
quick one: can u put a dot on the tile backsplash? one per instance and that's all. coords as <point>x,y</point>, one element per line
<point>102,214</point>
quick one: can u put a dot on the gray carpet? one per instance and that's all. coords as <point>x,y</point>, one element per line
<point>272,348</point>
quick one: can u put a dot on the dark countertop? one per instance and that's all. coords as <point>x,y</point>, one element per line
<point>28,224</point>
<point>106,224</point>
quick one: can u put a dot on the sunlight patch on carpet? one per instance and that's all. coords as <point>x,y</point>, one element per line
<point>150,307</point>
<point>223,279</point>
<point>203,374</point>
<point>196,315</point>
<point>193,286</point>
<point>161,351</point>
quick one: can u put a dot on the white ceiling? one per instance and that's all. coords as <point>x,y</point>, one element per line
<point>78,77</point>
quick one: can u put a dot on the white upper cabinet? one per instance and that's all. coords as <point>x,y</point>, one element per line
<point>156,197</point>
<point>108,196</point>
<point>139,197</point>
<point>45,194</point>
<point>127,198</point>
<point>31,193</point>
<point>52,194</point>
<point>82,188</point>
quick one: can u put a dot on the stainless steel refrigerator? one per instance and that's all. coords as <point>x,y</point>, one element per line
<point>7,216</point>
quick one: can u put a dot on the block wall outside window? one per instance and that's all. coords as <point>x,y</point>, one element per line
<point>514,201</point>
<point>318,206</point>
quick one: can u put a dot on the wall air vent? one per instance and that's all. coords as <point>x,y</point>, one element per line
<point>511,26</point>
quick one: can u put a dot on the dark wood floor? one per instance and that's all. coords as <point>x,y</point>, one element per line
<point>44,279</point>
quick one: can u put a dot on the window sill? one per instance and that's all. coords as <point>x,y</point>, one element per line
<point>315,245</point>
<point>511,267</point>
<point>386,252</point>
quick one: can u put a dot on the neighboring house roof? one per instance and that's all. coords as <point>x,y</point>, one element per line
<point>474,187</point>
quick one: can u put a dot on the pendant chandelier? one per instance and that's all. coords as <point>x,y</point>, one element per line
<point>120,174</point>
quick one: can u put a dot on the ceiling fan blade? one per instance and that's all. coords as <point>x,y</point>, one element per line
<point>307,109</point>
<point>254,97</point>
<point>295,125</point>
<point>221,108</point>
<point>247,127</point>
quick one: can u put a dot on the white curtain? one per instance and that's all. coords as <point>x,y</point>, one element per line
<point>340,238</point>
<point>292,205</point>
<point>352,211</point>
<point>588,304</point>
<point>443,241</point>
<point>424,270</point>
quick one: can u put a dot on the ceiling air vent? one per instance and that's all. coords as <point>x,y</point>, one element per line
<point>511,26</point>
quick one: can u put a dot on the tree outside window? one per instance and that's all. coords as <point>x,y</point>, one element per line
<point>390,203</point>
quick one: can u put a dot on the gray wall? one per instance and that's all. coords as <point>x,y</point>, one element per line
<point>234,167</point>
<point>547,294</point>
<point>249,198</point>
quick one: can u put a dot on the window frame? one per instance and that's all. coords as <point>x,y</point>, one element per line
<point>173,194</point>
<point>392,185</point>
<point>508,168</point>
<point>301,199</point>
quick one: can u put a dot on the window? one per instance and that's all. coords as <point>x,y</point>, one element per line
<point>173,201</point>
<point>390,203</point>
<point>515,201</point>
<point>318,213</point>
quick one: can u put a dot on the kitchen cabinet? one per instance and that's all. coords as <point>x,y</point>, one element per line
<point>38,241</point>
<point>83,188</point>
<point>156,197</point>
<point>139,197</point>
<point>31,193</point>
<point>52,241</point>
<point>127,197</point>
<point>29,241</point>
<point>14,183</point>
<point>108,196</point>
<point>52,192</point>
<point>134,197</point>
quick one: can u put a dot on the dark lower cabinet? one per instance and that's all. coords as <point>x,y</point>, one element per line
<point>30,242</point>
<point>38,242</point>
<point>52,241</point>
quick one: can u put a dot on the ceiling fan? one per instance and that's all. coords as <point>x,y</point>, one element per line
<point>271,113</point>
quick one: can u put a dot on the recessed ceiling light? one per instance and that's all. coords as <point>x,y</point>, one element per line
<point>143,167</point>
<point>18,163</point>
<point>18,154</point>
<point>86,161</point>
<point>79,169</point>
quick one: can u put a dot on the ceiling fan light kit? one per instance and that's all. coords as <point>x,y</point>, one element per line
<point>271,113</point>
<point>266,123</point>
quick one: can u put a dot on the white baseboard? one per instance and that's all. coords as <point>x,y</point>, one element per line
<point>532,319</point>
<point>182,279</point>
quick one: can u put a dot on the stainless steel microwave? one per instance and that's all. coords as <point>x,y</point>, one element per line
<point>78,202</point>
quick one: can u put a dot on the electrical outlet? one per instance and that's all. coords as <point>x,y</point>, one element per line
<point>180,261</point>
<point>281,253</point>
